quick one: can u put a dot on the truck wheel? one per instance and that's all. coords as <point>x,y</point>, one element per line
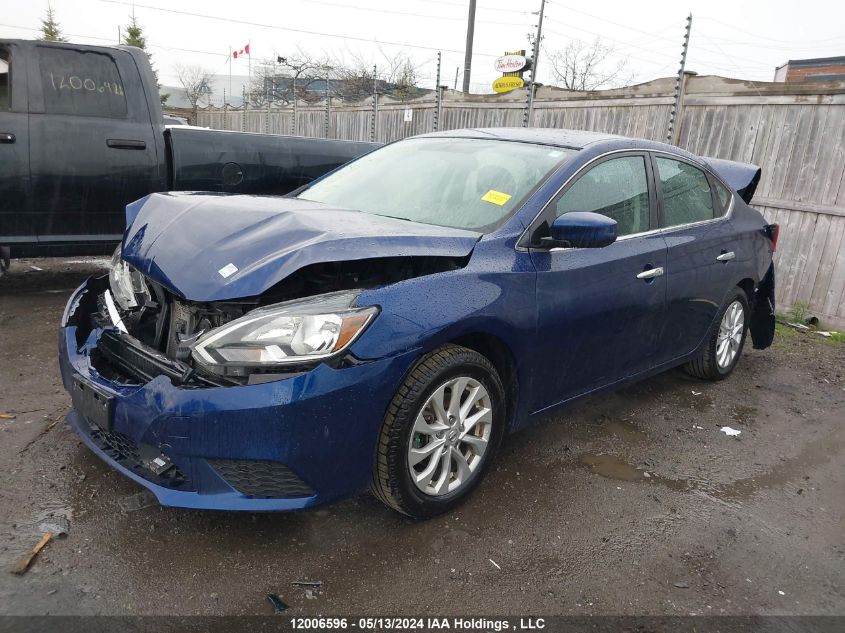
<point>724,345</point>
<point>5,259</point>
<point>440,433</point>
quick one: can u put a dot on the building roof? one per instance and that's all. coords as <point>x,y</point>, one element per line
<point>815,61</point>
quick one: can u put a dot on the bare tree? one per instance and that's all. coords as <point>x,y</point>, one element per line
<point>394,75</point>
<point>286,77</point>
<point>588,66</point>
<point>196,81</point>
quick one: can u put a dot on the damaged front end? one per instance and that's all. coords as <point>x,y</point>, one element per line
<point>308,318</point>
<point>253,404</point>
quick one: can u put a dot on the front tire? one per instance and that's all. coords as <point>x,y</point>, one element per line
<point>440,433</point>
<point>725,341</point>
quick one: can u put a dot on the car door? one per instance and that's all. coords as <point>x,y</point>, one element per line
<point>92,143</point>
<point>600,311</point>
<point>701,247</point>
<point>15,218</point>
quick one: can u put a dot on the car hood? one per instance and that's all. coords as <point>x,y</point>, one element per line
<point>215,247</point>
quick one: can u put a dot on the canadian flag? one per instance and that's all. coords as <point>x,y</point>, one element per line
<point>243,51</point>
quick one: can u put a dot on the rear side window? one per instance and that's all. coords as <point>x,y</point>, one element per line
<point>723,198</point>
<point>686,193</point>
<point>81,83</point>
<point>616,188</point>
<point>5,93</point>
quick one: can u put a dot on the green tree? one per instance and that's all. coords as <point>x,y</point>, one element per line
<point>135,37</point>
<point>50,29</point>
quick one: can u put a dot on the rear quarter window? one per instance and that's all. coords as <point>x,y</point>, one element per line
<point>5,99</point>
<point>723,198</point>
<point>81,83</point>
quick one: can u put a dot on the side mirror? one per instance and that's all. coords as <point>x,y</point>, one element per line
<point>582,229</point>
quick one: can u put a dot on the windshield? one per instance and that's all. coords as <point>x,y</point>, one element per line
<point>457,182</point>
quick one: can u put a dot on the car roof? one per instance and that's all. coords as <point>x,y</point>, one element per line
<point>575,139</point>
<point>549,136</point>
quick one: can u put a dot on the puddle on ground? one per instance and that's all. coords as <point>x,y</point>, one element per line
<point>614,467</point>
<point>690,398</point>
<point>744,414</point>
<point>625,430</point>
<point>813,454</point>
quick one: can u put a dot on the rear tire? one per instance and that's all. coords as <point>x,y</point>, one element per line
<point>434,450</point>
<point>725,340</point>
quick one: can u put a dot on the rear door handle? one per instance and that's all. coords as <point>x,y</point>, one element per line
<point>7,137</point>
<point>121,143</point>
<point>726,257</point>
<point>651,273</point>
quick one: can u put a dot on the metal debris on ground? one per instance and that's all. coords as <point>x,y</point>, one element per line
<point>312,584</point>
<point>313,588</point>
<point>682,584</point>
<point>58,525</point>
<point>278,604</point>
<point>495,564</point>
<point>24,563</point>
<point>7,416</point>
<point>729,431</point>
<point>138,501</point>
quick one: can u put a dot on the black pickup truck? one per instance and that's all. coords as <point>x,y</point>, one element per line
<point>82,135</point>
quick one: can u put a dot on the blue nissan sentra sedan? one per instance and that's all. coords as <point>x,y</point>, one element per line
<point>386,326</point>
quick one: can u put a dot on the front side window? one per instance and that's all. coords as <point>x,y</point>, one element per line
<point>465,183</point>
<point>81,83</point>
<point>686,193</point>
<point>616,188</point>
<point>5,83</point>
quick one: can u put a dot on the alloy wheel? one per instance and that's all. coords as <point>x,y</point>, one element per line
<point>730,335</point>
<point>450,436</point>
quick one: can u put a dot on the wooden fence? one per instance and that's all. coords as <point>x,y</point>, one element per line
<point>795,132</point>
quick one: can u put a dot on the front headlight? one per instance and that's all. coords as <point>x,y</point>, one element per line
<point>288,333</point>
<point>128,286</point>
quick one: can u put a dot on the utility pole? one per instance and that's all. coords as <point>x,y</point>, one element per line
<point>439,94</point>
<point>675,114</point>
<point>529,108</point>
<point>468,52</point>
<point>457,70</point>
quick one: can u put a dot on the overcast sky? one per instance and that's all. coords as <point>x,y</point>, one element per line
<point>734,38</point>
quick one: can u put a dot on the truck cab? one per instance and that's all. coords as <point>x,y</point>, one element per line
<point>79,130</point>
<point>82,135</point>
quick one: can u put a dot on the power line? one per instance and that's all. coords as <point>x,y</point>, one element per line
<point>288,28</point>
<point>480,6</point>
<point>112,42</point>
<point>770,39</point>
<point>415,15</point>
<point>619,24</point>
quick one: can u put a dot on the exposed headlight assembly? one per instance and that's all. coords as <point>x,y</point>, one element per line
<point>128,286</point>
<point>289,333</point>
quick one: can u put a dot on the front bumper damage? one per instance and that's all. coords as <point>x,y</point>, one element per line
<point>282,445</point>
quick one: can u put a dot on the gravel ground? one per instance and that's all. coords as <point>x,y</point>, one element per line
<point>633,503</point>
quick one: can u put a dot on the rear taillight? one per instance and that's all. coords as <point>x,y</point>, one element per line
<point>773,230</point>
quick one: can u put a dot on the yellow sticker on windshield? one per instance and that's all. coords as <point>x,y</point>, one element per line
<point>496,197</point>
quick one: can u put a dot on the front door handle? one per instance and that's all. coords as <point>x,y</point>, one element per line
<point>651,273</point>
<point>7,137</point>
<point>122,143</point>
<point>726,257</point>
